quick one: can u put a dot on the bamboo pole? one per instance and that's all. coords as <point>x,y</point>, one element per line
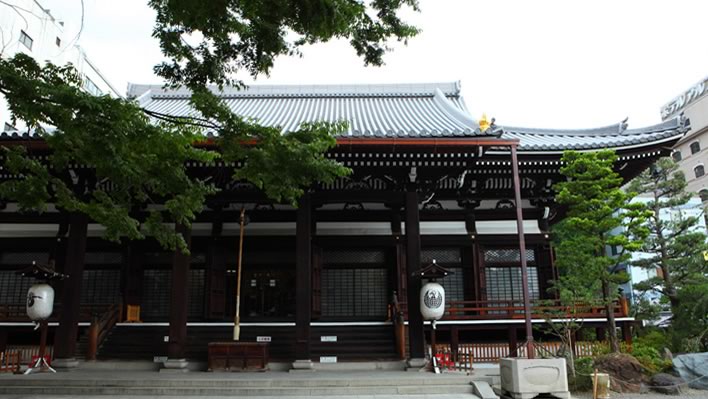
<point>237,317</point>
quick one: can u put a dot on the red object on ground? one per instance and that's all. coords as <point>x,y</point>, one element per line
<point>36,357</point>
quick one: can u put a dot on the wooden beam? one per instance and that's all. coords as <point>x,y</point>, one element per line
<point>303,278</point>
<point>66,335</point>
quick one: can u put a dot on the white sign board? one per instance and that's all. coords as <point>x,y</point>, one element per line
<point>328,359</point>
<point>263,339</point>
<point>328,338</point>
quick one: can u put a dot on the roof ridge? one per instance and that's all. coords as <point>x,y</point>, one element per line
<point>314,90</point>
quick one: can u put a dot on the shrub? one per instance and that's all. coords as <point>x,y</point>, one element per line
<point>650,358</point>
<point>583,371</point>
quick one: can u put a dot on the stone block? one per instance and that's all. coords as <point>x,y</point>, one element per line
<point>528,378</point>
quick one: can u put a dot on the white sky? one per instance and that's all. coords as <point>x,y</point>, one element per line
<point>539,63</point>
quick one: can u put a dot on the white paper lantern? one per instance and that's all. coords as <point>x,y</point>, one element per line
<point>432,301</point>
<point>40,301</point>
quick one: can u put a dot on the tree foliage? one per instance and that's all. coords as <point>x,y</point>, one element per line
<point>676,248</point>
<point>599,216</point>
<point>138,159</point>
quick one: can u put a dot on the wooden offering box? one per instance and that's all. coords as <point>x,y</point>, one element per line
<point>238,356</point>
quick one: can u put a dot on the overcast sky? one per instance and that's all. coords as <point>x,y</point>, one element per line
<point>554,64</point>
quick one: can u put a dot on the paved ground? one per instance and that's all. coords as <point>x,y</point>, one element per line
<point>692,394</point>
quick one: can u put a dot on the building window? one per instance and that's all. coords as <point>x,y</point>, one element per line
<point>58,42</point>
<point>676,155</point>
<point>91,87</point>
<point>695,147</point>
<point>699,171</point>
<point>26,40</point>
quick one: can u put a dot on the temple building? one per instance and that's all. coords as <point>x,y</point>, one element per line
<point>326,280</point>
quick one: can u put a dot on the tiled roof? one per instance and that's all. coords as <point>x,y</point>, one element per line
<point>410,110</point>
<point>613,136</point>
<point>395,110</point>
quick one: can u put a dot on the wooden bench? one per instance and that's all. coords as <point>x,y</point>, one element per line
<point>238,356</point>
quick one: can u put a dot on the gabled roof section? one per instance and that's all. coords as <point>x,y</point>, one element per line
<point>380,110</point>
<point>615,136</point>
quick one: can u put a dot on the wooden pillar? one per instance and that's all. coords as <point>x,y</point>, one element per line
<point>303,282</point>
<point>401,274</point>
<point>179,302</point>
<point>627,333</point>
<point>470,277</point>
<point>454,342</point>
<point>513,342</point>
<point>216,279</point>
<point>416,337</point>
<point>522,253</point>
<point>65,338</point>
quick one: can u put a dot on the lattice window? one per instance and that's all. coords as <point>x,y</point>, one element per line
<point>13,287</point>
<point>197,280</point>
<point>354,292</point>
<point>441,255</point>
<point>507,255</point>
<point>157,285</point>
<point>353,256</point>
<point>454,285</point>
<point>100,286</point>
<point>504,283</point>
<point>157,291</point>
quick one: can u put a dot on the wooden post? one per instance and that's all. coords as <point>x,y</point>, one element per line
<point>65,338</point>
<point>237,317</point>
<point>454,343</point>
<point>522,253</point>
<point>627,333</point>
<point>416,337</point>
<point>92,349</point>
<point>513,342</point>
<point>179,304</point>
<point>303,280</point>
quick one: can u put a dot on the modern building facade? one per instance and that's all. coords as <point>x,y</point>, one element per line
<point>334,277</point>
<point>691,152</point>
<point>27,27</point>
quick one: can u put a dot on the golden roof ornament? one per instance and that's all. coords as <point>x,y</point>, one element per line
<point>484,123</point>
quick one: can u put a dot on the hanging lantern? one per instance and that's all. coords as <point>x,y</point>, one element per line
<point>40,302</point>
<point>432,301</point>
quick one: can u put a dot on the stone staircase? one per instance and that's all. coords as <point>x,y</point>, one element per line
<point>256,385</point>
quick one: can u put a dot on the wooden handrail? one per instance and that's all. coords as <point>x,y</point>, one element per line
<point>100,326</point>
<point>514,309</point>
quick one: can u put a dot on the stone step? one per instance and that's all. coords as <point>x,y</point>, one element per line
<point>236,383</point>
<point>237,391</point>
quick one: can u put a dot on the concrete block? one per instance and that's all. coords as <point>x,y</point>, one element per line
<point>302,365</point>
<point>483,390</point>
<point>175,365</point>
<point>528,378</point>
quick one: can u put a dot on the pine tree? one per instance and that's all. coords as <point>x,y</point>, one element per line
<point>599,215</point>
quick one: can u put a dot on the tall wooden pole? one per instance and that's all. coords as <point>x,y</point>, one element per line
<point>237,318</point>
<point>522,253</point>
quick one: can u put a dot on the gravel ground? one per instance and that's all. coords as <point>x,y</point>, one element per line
<point>692,393</point>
